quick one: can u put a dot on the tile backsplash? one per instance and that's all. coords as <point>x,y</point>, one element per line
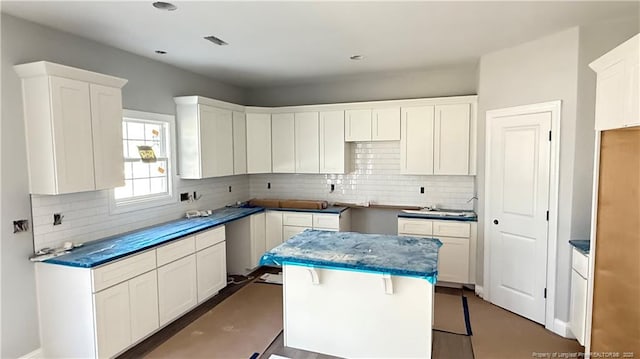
<point>375,179</point>
<point>87,217</point>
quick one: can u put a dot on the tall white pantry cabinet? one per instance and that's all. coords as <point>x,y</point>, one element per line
<point>73,126</point>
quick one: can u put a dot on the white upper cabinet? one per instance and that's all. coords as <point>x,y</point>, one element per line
<point>438,139</point>
<point>451,139</point>
<point>239,143</point>
<point>385,124</point>
<point>258,143</point>
<point>205,139</point>
<point>618,86</point>
<point>307,146</point>
<point>416,143</point>
<point>380,124</point>
<point>283,143</point>
<point>357,125</point>
<point>73,126</point>
<point>333,154</point>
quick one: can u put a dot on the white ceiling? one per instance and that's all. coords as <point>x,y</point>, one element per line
<point>274,43</point>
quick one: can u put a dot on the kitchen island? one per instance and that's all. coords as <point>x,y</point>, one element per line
<point>358,295</point>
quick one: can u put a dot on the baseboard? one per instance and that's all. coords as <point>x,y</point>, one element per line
<point>36,354</point>
<point>561,328</point>
<point>479,291</point>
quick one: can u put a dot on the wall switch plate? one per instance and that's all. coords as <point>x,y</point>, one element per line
<point>21,225</point>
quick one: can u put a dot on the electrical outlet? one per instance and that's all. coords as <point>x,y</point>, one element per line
<point>195,196</point>
<point>184,196</point>
<point>333,188</point>
<point>57,219</point>
<point>21,225</point>
<point>229,189</point>
<point>422,190</point>
<point>268,185</point>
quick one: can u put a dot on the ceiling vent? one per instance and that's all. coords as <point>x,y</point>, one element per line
<point>215,40</point>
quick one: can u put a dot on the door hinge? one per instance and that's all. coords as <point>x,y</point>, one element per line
<point>547,216</point>
<point>549,135</point>
<point>545,293</point>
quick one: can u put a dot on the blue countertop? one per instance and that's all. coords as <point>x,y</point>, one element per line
<point>101,251</point>
<point>583,245</point>
<point>395,255</point>
<point>426,215</point>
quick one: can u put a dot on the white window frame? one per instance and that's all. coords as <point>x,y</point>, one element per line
<point>116,207</point>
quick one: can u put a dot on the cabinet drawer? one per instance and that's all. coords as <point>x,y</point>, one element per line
<point>176,250</point>
<point>421,227</point>
<point>297,219</point>
<point>451,229</point>
<point>210,237</point>
<point>580,263</point>
<point>114,273</point>
<point>326,221</point>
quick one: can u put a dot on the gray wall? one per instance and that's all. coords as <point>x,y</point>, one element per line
<point>453,80</point>
<point>547,69</point>
<point>151,87</point>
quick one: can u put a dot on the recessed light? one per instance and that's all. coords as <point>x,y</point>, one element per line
<point>216,40</point>
<point>160,52</point>
<point>356,57</point>
<point>161,5</point>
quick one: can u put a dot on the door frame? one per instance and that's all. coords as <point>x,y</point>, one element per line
<point>555,107</point>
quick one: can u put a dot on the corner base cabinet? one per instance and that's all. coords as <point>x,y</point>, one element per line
<point>100,312</point>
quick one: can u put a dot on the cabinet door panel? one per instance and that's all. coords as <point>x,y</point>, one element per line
<point>610,91</point>
<point>332,145</point>
<point>212,270</point>
<point>307,146</point>
<point>453,260</point>
<point>106,122</point>
<point>386,124</point>
<point>177,288</point>
<point>290,231</point>
<point>421,227</point>
<point>113,318</point>
<point>273,229</point>
<point>258,143</point>
<point>451,140</point>
<point>283,143</point>
<point>216,141</point>
<point>71,110</point>
<point>143,300</point>
<point>578,306</point>
<point>239,143</point>
<point>258,237</point>
<point>416,142</point>
<point>357,125</point>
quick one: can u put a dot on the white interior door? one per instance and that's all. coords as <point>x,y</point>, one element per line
<point>518,201</point>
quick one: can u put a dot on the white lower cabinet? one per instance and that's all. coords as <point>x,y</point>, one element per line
<point>246,243</point>
<point>177,288</point>
<point>296,222</point>
<point>212,270</point>
<point>273,235</point>
<point>113,320</point>
<point>143,304</point>
<point>578,303</point>
<point>456,257</point>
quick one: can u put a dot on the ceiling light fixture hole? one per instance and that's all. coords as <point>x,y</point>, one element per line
<point>356,57</point>
<point>161,5</point>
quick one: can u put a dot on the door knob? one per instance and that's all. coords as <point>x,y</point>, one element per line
<point>495,221</point>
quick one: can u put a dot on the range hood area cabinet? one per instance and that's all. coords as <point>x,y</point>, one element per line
<point>210,138</point>
<point>439,139</point>
<point>73,128</point>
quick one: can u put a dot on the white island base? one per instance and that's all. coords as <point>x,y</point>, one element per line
<point>353,314</point>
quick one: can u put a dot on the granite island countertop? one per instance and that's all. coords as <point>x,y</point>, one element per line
<point>395,255</point>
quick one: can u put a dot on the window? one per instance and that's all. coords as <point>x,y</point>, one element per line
<point>147,179</point>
